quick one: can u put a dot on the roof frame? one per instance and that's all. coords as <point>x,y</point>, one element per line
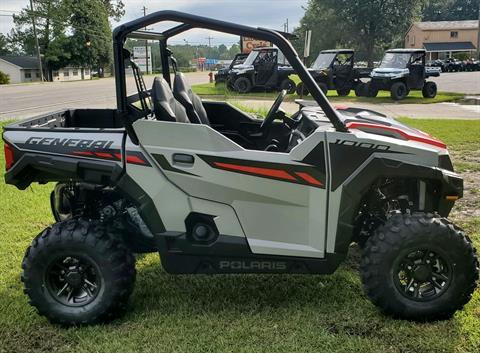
<point>189,21</point>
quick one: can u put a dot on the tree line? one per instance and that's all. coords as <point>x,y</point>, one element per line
<point>78,32</point>
<point>371,26</point>
<point>186,52</point>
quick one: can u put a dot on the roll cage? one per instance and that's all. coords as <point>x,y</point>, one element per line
<point>188,22</point>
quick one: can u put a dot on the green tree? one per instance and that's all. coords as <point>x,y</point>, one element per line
<point>4,50</point>
<point>55,20</point>
<point>91,40</point>
<point>367,25</point>
<point>450,10</point>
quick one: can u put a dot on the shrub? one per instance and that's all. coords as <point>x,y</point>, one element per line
<point>4,78</point>
<point>462,56</point>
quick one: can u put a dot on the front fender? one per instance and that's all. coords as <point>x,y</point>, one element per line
<point>354,191</point>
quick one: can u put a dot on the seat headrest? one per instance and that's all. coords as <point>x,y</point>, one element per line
<point>165,105</point>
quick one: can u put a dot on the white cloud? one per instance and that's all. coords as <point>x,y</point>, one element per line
<point>261,13</point>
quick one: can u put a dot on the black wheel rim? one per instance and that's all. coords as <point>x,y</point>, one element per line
<point>73,280</point>
<point>242,86</point>
<point>422,275</point>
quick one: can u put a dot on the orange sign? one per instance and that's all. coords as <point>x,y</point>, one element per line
<point>248,44</point>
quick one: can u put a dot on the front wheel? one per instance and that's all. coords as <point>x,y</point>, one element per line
<point>77,272</point>
<point>429,89</point>
<point>361,89</point>
<point>371,90</point>
<point>243,85</point>
<point>419,267</point>
<point>398,91</point>
<point>343,92</point>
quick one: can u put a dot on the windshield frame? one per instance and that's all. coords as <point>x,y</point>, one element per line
<point>391,60</point>
<point>316,64</point>
<point>251,58</point>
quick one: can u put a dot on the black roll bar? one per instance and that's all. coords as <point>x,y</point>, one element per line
<point>189,21</point>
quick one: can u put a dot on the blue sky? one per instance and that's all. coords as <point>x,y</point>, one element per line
<point>264,13</point>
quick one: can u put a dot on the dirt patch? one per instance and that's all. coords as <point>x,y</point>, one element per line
<point>468,206</point>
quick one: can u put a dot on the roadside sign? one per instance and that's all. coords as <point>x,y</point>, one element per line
<point>247,44</point>
<point>140,57</point>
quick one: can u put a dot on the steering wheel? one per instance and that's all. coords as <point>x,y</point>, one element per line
<point>267,122</point>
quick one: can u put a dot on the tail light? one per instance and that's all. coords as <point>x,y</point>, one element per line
<point>9,159</point>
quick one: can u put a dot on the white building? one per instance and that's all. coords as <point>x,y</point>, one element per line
<point>25,69</point>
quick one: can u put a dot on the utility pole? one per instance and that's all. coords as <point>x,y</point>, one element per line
<point>36,41</point>
<point>285,26</point>
<point>209,40</point>
<point>478,34</point>
<point>146,42</point>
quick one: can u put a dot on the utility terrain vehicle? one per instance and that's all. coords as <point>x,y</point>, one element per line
<point>215,190</point>
<point>222,74</point>
<point>401,71</point>
<point>264,68</point>
<point>335,70</point>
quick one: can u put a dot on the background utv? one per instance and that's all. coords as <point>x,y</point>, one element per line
<point>214,190</point>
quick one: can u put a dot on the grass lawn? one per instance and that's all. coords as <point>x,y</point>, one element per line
<point>238,313</point>
<point>209,89</point>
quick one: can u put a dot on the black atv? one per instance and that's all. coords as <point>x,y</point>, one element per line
<point>222,74</point>
<point>335,70</point>
<point>266,69</point>
<point>401,71</point>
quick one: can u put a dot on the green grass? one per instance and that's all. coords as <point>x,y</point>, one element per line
<point>229,313</point>
<point>415,97</point>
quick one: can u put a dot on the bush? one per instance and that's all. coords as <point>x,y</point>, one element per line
<point>4,78</point>
<point>462,56</point>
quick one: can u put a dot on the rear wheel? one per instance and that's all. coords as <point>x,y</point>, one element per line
<point>302,89</point>
<point>398,91</point>
<point>343,92</point>
<point>419,267</point>
<point>243,85</point>
<point>288,85</point>
<point>77,272</point>
<point>429,89</point>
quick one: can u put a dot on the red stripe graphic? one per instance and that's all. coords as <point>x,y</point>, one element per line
<point>275,173</point>
<point>135,160</point>
<point>405,134</point>
<point>104,155</point>
<point>83,153</point>
<point>309,179</point>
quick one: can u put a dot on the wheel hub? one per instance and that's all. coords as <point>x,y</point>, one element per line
<point>422,275</point>
<point>73,281</point>
<point>74,278</point>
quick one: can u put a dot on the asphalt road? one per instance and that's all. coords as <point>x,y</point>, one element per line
<point>21,101</point>
<point>460,82</point>
<point>25,100</point>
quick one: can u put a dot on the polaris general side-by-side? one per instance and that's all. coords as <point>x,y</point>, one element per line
<point>222,74</point>
<point>335,69</point>
<point>264,68</point>
<point>215,190</point>
<point>401,71</point>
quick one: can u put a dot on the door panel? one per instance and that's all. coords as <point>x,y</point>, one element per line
<point>279,200</point>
